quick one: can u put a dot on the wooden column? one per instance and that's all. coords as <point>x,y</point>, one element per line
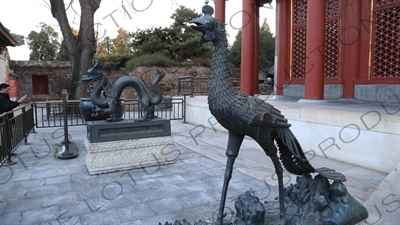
<point>365,36</point>
<point>220,10</point>
<point>248,46</point>
<point>350,42</point>
<point>314,87</point>
<point>256,61</point>
<point>283,45</point>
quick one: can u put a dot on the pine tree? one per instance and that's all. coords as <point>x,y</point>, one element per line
<point>267,48</point>
<point>178,41</point>
<point>236,50</point>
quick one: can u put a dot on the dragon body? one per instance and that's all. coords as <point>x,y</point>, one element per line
<point>107,106</point>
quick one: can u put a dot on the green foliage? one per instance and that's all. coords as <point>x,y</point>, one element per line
<point>104,47</point>
<point>235,72</point>
<point>157,46</point>
<point>267,48</point>
<point>114,61</point>
<point>150,41</point>
<point>201,62</point>
<point>182,15</point>
<point>156,59</point>
<point>178,41</point>
<point>62,54</point>
<point>44,44</point>
<point>236,50</point>
<point>185,40</point>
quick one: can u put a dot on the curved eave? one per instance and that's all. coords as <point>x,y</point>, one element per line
<point>6,38</point>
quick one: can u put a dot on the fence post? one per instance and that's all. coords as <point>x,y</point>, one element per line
<point>36,117</point>
<point>184,109</point>
<point>65,117</point>
<point>191,87</point>
<point>179,85</point>
<point>68,147</point>
<point>7,141</point>
<point>24,126</point>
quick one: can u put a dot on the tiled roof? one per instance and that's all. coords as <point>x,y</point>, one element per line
<point>9,39</point>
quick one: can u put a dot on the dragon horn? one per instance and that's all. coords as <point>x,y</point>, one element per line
<point>95,65</point>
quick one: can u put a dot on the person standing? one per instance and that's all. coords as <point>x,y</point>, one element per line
<point>6,104</point>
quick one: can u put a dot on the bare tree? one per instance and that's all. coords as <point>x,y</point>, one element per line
<point>82,48</point>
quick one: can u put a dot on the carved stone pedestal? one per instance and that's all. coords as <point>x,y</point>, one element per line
<point>136,151</point>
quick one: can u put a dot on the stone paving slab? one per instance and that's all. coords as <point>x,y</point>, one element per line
<point>41,189</point>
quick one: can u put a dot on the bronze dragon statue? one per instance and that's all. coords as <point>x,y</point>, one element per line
<point>243,115</point>
<point>107,106</point>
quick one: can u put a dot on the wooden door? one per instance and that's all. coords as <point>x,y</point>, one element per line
<point>40,85</point>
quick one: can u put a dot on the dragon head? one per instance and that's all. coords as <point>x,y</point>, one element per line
<point>206,24</point>
<point>94,73</point>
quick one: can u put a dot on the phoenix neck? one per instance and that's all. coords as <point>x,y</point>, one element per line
<point>220,84</point>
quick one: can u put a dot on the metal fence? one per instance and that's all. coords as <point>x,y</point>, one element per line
<point>14,129</point>
<point>50,114</point>
<point>189,85</point>
<point>199,86</point>
<point>15,125</point>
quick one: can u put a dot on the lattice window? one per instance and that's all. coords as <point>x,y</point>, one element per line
<point>299,11</point>
<point>299,39</point>
<point>332,8</point>
<point>299,53</point>
<point>384,2</point>
<point>386,51</point>
<point>331,49</point>
<point>332,39</point>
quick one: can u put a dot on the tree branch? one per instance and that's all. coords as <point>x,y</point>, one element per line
<point>59,13</point>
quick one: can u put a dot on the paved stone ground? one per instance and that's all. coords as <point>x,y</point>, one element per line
<point>41,189</point>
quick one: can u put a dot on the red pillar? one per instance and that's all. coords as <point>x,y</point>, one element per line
<point>247,57</point>
<point>256,61</point>
<point>13,85</point>
<point>283,49</point>
<point>350,42</point>
<point>314,88</point>
<point>220,10</point>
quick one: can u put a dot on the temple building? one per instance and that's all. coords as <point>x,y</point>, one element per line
<point>6,74</point>
<point>328,49</point>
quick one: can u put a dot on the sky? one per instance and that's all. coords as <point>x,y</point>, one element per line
<point>23,16</point>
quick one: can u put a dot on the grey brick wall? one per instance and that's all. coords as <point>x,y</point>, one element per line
<point>331,91</point>
<point>386,93</point>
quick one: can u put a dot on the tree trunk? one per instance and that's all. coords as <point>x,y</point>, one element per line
<point>82,48</point>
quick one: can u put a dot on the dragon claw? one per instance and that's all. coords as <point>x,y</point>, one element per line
<point>161,73</point>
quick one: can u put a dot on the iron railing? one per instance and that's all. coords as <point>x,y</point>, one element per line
<point>185,86</point>
<point>15,126</point>
<point>266,87</point>
<point>50,114</point>
<point>189,85</point>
